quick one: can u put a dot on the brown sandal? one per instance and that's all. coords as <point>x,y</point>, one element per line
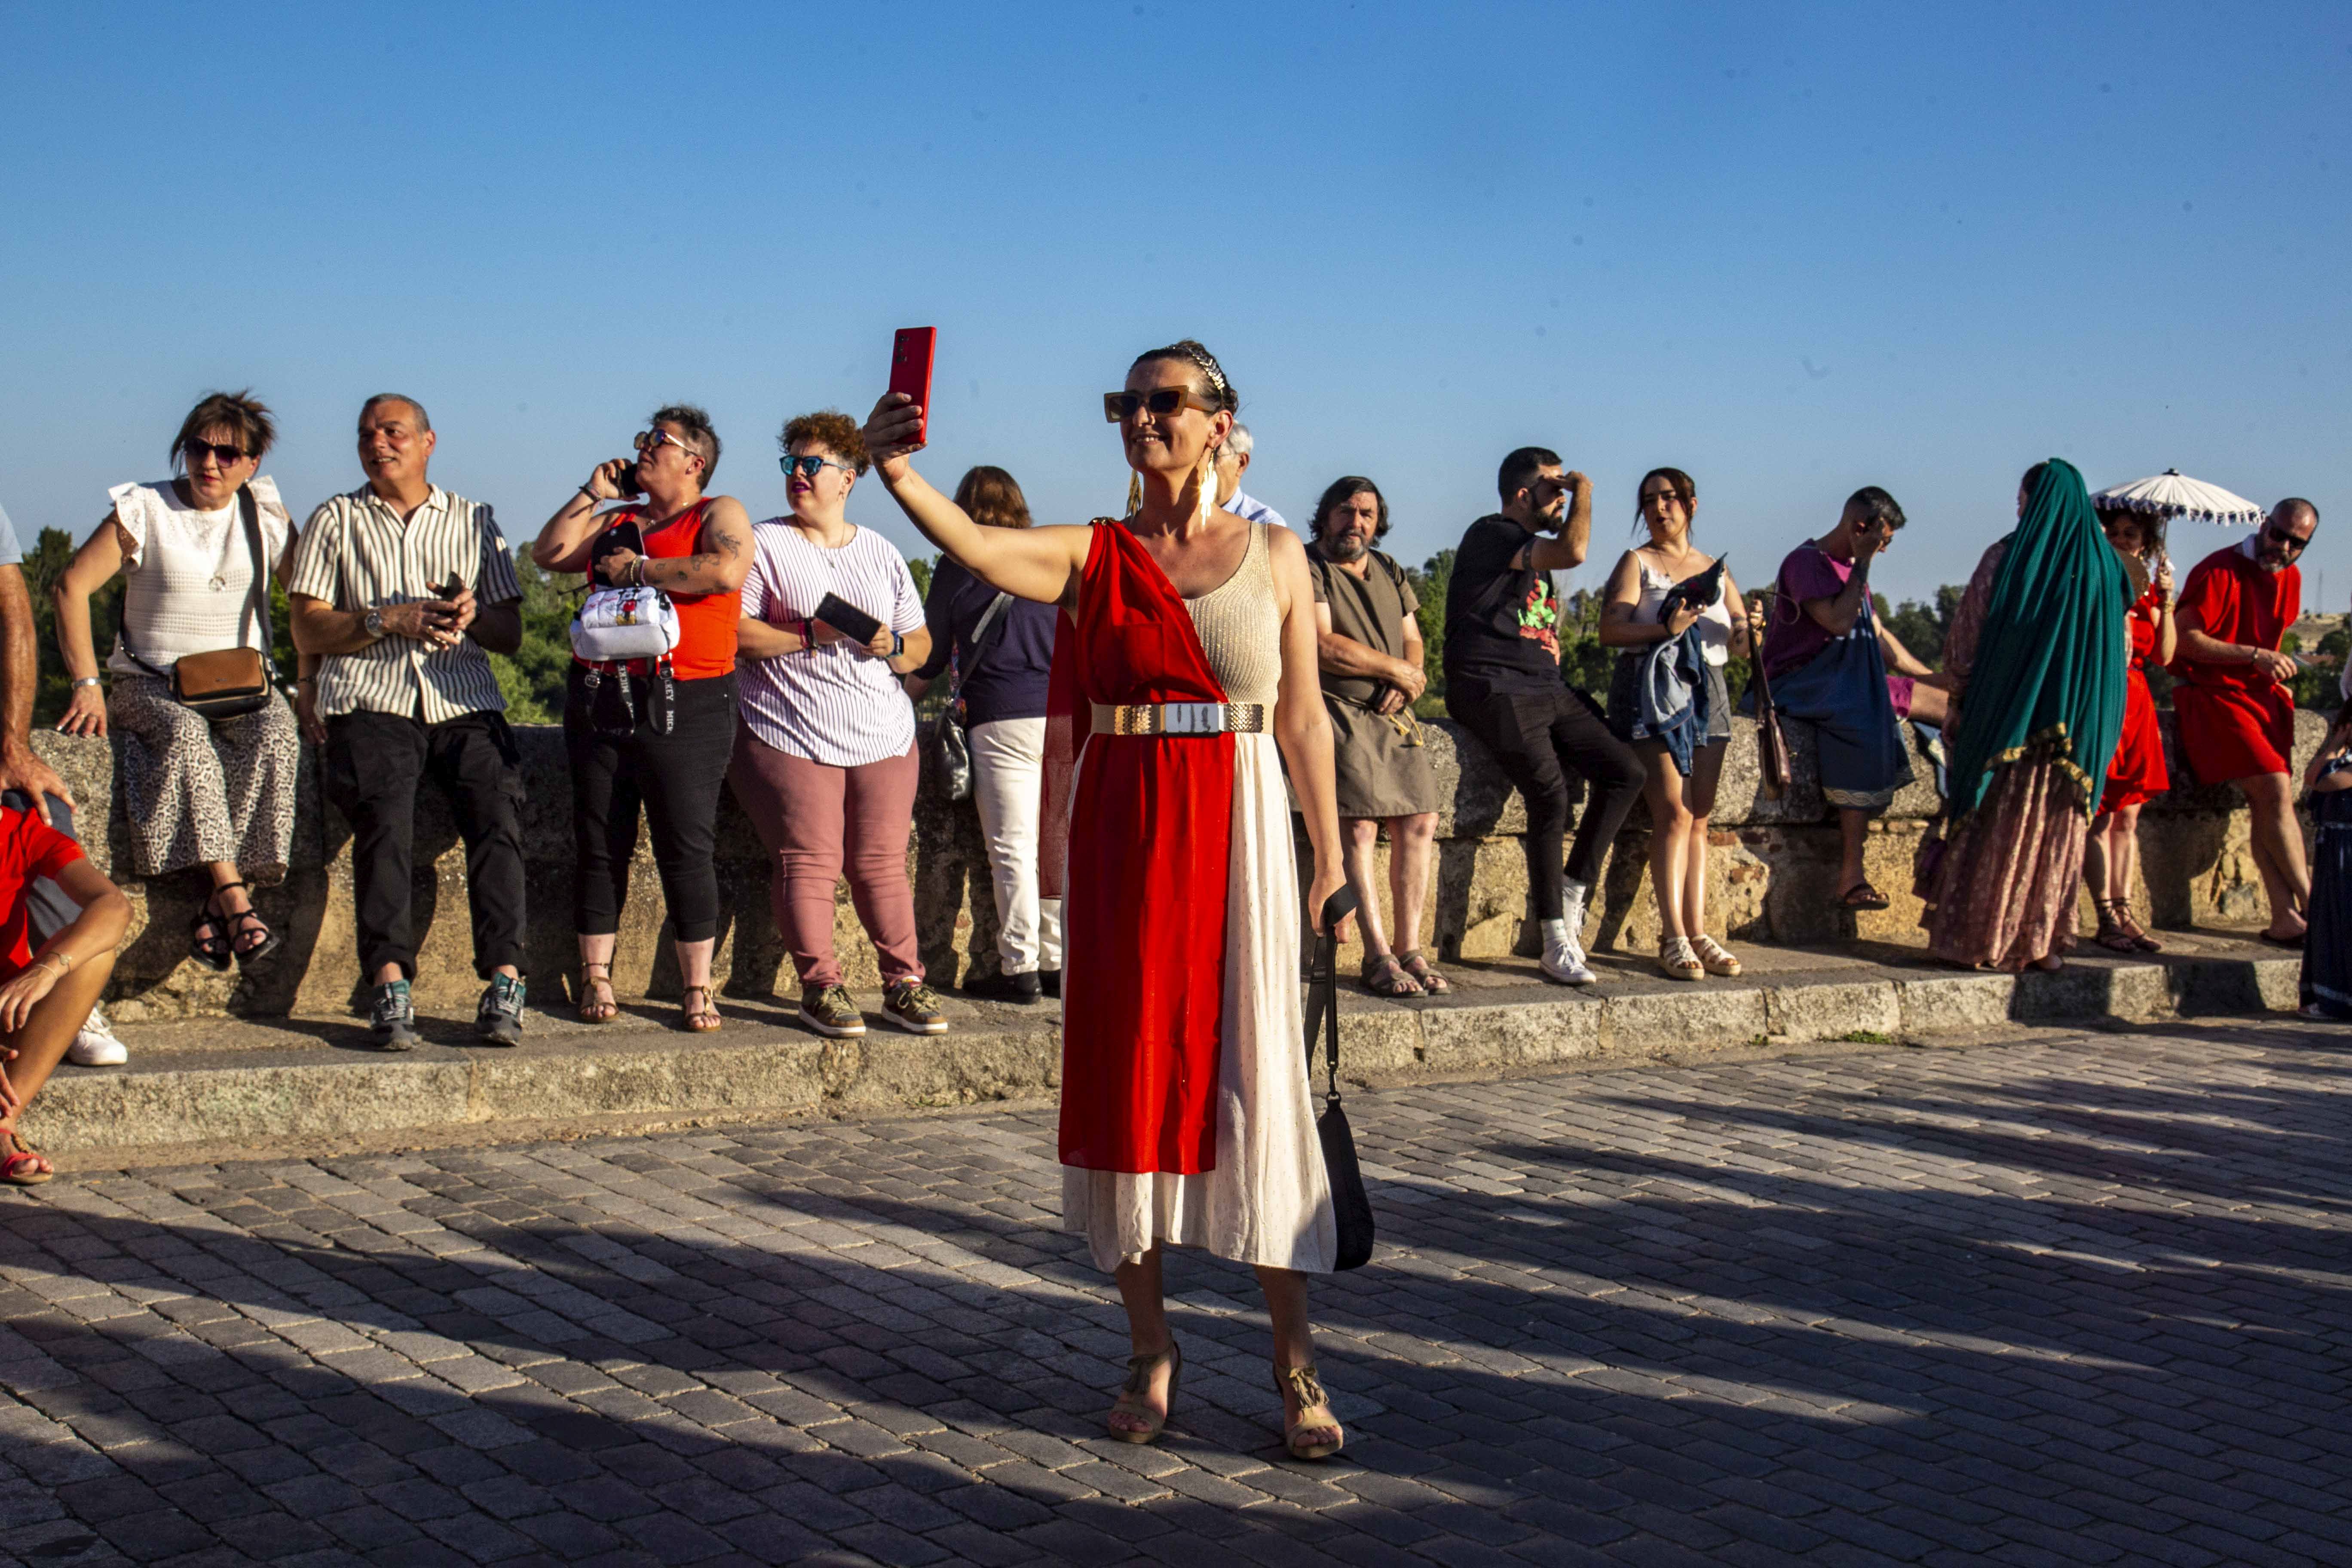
<point>2112,934</point>
<point>1130,1400</point>
<point>592,1009</point>
<point>2134,930</point>
<point>1300,1383</point>
<point>700,1020</point>
<point>23,1166</point>
<point>1416,964</point>
<point>1384,976</point>
<point>1863,896</point>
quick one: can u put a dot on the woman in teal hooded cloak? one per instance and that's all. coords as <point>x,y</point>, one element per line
<point>2037,650</point>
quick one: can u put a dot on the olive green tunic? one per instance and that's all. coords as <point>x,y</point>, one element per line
<point>1381,765</point>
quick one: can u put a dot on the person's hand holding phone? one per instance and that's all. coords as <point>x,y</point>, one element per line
<point>894,432</point>
<point>615,565</point>
<point>421,620</point>
<point>463,608</point>
<point>605,479</point>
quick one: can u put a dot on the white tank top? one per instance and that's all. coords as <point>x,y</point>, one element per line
<point>1714,622</point>
<point>186,573</point>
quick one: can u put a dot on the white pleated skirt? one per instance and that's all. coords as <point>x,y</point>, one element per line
<point>1268,1202</point>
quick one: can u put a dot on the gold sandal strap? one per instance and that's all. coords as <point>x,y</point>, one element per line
<point>1307,1387</point>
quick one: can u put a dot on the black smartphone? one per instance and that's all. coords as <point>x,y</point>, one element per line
<point>846,618</point>
<point>626,536</point>
<point>627,481</point>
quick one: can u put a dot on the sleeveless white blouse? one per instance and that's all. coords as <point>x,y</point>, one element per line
<point>187,574</point>
<point>1714,622</point>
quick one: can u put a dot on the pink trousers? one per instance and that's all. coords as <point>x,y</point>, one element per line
<point>819,822</point>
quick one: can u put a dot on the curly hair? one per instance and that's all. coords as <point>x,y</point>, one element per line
<point>835,431</point>
<point>241,413</point>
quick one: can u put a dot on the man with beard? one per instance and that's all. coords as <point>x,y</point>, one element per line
<point>1368,644</point>
<point>2236,709</point>
<point>1503,683</point>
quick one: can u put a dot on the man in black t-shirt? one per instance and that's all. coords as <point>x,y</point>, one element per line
<point>1502,684</point>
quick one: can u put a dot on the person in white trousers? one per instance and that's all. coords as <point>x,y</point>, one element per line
<point>1000,650</point>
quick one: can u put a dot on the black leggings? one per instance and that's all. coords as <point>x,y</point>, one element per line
<point>677,777</point>
<point>1532,734</point>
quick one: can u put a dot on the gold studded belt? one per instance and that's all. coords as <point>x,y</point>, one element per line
<point>1181,719</point>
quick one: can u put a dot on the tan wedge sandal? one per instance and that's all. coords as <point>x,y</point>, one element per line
<point>1314,1416</point>
<point>1131,1400</point>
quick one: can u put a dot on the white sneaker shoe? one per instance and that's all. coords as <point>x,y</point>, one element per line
<point>1563,956</point>
<point>96,1045</point>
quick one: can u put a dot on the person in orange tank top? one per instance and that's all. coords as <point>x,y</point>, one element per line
<point>656,733</point>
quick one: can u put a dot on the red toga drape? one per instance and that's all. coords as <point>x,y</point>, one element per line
<point>1150,832</point>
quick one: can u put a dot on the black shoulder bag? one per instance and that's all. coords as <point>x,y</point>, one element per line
<point>951,746</point>
<point>1351,1207</point>
<point>229,682</point>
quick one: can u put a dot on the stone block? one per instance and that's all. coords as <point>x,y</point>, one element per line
<point>1460,1039</point>
<point>2134,991</point>
<point>770,1076</point>
<point>1829,1012</point>
<point>1949,1003</point>
<point>251,1103</point>
<point>1714,1012</point>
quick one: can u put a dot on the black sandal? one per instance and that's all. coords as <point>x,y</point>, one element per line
<point>212,952</point>
<point>1384,976</point>
<point>1863,896</point>
<point>238,928</point>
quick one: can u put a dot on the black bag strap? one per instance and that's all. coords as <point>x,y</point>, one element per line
<point>249,514</point>
<point>1323,991</point>
<point>990,617</point>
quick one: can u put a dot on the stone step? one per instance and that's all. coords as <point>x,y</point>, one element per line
<point>247,1085</point>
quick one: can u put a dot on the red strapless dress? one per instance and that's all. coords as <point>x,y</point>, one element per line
<point>2138,773</point>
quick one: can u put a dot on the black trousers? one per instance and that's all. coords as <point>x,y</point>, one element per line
<point>374,762</point>
<point>1535,736</point>
<point>620,760</point>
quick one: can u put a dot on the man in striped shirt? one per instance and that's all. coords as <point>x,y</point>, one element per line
<point>400,591</point>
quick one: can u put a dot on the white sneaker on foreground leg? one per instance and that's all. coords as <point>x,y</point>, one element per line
<point>96,1045</point>
<point>1563,956</point>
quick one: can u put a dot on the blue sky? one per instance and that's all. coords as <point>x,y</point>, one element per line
<point>1792,250</point>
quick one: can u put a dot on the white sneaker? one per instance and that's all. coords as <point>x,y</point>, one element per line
<point>96,1045</point>
<point>1563,956</point>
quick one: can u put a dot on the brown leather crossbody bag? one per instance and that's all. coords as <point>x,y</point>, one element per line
<point>229,682</point>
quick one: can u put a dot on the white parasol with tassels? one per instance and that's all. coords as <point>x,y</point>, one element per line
<point>2172,494</point>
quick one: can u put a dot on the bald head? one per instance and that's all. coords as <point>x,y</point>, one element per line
<point>2297,514</point>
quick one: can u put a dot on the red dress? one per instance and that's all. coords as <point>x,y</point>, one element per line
<point>2138,773</point>
<point>1150,829</point>
<point>2235,720</point>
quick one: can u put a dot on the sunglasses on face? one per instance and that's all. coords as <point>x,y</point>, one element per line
<point>654,441</point>
<point>223,455</point>
<point>2284,540</point>
<point>1162,401</point>
<point>808,468</point>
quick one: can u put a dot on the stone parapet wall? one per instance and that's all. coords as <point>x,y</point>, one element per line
<point>1772,878</point>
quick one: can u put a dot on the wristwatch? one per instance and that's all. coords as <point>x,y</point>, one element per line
<point>374,622</point>
<point>89,680</point>
<point>897,644</point>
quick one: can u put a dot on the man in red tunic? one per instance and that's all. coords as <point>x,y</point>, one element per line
<point>2235,707</point>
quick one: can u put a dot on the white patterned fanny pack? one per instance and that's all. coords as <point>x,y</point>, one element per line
<point>619,624</point>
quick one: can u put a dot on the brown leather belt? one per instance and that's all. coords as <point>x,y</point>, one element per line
<point>1179,719</point>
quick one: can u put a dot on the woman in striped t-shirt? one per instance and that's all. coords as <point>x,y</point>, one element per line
<point>825,757</point>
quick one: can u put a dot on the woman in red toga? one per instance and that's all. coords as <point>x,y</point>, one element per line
<point>1184,677</point>
<point>2111,854</point>
<point>45,997</point>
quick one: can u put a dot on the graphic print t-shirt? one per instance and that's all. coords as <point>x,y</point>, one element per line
<point>1502,622</point>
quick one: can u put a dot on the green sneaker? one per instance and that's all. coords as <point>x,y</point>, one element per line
<point>914,1007</point>
<point>829,1011</point>
<point>498,1019</point>
<point>392,1018</point>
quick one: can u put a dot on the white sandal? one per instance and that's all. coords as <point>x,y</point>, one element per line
<point>1677,962</point>
<point>1714,956</point>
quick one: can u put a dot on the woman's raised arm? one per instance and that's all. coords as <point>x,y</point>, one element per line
<point>1040,563</point>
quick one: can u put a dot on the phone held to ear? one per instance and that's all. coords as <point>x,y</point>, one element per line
<point>626,480</point>
<point>910,372</point>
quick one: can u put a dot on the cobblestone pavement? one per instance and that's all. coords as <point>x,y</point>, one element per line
<point>2078,1301</point>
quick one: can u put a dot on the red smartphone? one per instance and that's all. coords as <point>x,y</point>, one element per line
<point>911,371</point>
